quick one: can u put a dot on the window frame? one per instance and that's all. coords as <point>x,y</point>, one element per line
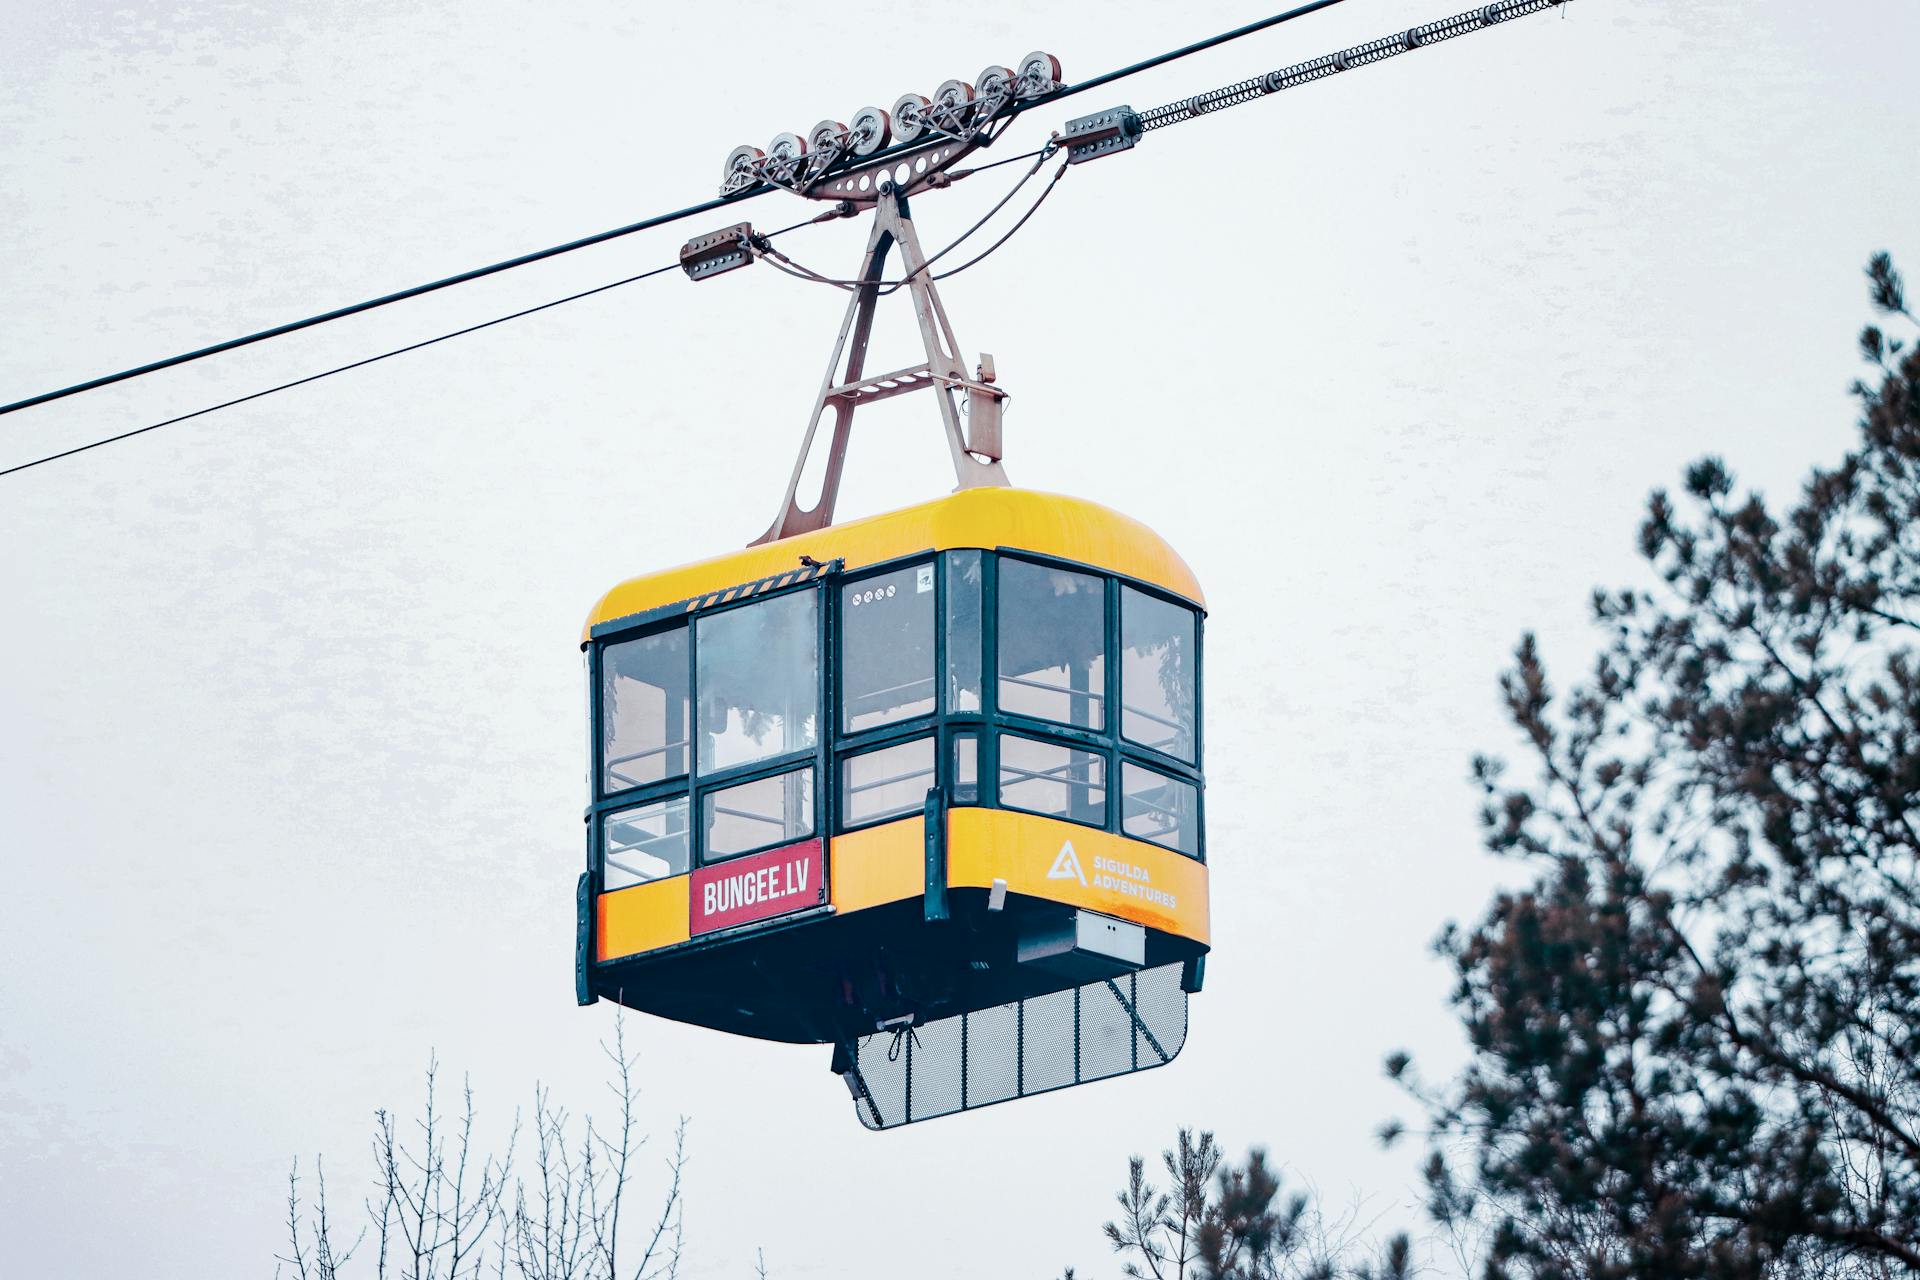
<point>941,775</point>
<point>701,856</point>
<point>1108,637</point>
<point>1154,769</point>
<point>852,741</point>
<point>1111,741</point>
<point>1117,633</point>
<point>939,724</point>
<point>597,690</point>
<point>599,825</point>
<point>745,770</point>
<point>1106,781</point>
<point>819,755</point>
<point>697,784</point>
<point>832,747</point>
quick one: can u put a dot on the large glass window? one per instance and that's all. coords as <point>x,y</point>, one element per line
<point>963,630</point>
<point>759,680</point>
<point>759,814</point>
<point>1161,809</point>
<point>1157,646</point>
<point>886,783</point>
<point>647,843</point>
<point>1061,782</point>
<point>886,648</point>
<point>1052,638</point>
<point>644,710</point>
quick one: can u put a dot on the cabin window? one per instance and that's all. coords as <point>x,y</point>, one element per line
<point>1157,645</point>
<point>1052,638</point>
<point>1050,779</point>
<point>886,783</point>
<point>966,768</point>
<point>758,814</point>
<point>645,710</point>
<point>758,680</point>
<point>963,630</point>
<point>1161,809</point>
<point>886,648</point>
<point>642,844</point>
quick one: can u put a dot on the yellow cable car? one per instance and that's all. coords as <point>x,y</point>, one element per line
<point>925,786</point>
<point>930,764</point>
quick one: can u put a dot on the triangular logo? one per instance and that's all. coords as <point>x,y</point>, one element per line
<point>1066,866</point>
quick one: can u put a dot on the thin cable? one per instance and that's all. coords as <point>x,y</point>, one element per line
<point>357,364</point>
<point>356,308</point>
<point>601,237</point>
<point>984,254</point>
<point>1024,155</point>
<point>786,264</point>
<point>1039,158</point>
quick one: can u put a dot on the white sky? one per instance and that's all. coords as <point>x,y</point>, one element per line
<point>289,696</point>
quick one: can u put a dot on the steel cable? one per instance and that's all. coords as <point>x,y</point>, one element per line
<point>1172,113</point>
<point>357,364</point>
<point>538,255</point>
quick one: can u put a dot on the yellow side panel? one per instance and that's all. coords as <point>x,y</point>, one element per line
<point>642,918</point>
<point>1068,528</point>
<point>1078,866</point>
<point>879,864</point>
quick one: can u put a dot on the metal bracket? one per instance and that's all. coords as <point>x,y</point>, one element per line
<point>718,251</point>
<point>975,453</point>
<point>934,906</point>
<point>846,1065</point>
<point>1101,134</point>
<point>583,992</point>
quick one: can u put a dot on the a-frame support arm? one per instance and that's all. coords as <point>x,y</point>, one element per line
<point>975,451</point>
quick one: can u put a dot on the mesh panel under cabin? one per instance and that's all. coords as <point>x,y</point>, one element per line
<point>1103,1029</point>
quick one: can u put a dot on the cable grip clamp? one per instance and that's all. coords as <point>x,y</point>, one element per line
<point>1101,134</point>
<point>717,252</point>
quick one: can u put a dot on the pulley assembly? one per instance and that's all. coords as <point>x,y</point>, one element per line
<point>954,120</point>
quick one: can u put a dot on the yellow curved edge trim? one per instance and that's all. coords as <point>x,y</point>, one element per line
<point>1069,528</point>
<point>1079,866</point>
<point>643,918</point>
<point>879,864</point>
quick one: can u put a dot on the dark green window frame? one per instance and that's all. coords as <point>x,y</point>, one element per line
<point>1109,741</point>
<point>944,724</point>
<point>696,785</point>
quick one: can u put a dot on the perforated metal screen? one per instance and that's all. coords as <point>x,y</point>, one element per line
<point>1110,1028</point>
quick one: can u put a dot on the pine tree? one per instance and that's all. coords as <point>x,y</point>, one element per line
<point>1696,1034</point>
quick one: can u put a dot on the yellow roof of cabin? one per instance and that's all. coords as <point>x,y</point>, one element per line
<point>1068,528</point>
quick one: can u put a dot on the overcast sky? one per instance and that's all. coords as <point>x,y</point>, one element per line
<point>290,696</point>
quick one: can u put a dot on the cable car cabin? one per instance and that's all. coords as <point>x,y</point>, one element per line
<point>925,787</point>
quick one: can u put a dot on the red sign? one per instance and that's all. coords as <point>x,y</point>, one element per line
<point>759,886</point>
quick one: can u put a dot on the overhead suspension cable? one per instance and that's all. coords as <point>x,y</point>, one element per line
<point>538,255</point>
<point>384,355</point>
<point>1136,125</point>
<point>354,309</point>
<point>357,364</point>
